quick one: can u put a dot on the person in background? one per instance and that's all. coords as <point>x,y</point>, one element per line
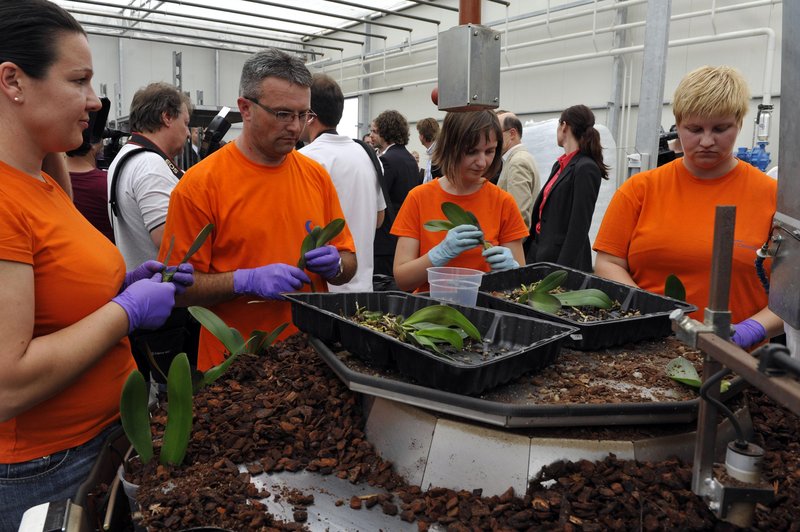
<point>563,210</point>
<point>68,303</point>
<point>263,197</point>
<point>428,129</point>
<point>519,176</point>
<point>353,175</point>
<point>661,222</point>
<point>90,185</point>
<point>468,150</point>
<point>400,173</point>
<point>159,117</point>
<point>55,165</point>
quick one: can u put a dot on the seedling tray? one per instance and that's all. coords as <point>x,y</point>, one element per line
<point>653,321</point>
<point>522,343</point>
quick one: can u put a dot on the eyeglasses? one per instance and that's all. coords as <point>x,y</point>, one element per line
<point>286,117</point>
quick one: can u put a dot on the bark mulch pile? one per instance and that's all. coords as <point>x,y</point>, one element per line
<point>288,411</point>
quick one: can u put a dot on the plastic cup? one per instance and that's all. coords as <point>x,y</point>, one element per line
<point>455,285</point>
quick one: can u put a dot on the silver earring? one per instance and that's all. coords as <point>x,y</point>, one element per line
<point>16,98</point>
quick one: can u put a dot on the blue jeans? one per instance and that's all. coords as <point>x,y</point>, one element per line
<point>50,478</point>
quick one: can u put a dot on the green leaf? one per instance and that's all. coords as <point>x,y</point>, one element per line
<point>305,247</point>
<point>551,281</point>
<point>197,244</point>
<point>232,341</point>
<point>444,315</point>
<point>438,225</point>
<point>169,250</point>
<point>673,287</point>
<point>261,340</point>
<point>590,297</point>
<point>427,343</point>
<point>135,415</point>
<point>179,411</point>
<point>152,360</point>
<point>457,215</point>
<point>330,231</point>
<point>442,334</point>
<point>544,302</point>
<point>683,371</point>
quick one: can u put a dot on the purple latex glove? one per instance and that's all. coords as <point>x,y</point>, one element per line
<point>748,333</point>
<point>145,270</point>
<point>269,281</point>
<point>183,277</point>
<point>325,261</point>
<point>148,303</point>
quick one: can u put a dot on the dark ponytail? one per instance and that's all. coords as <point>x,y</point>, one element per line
<point>581,122</point>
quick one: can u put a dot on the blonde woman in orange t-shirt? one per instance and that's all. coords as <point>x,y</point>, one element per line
<point>67,303</point>
<point>661,222</point>
<point>468,151</point>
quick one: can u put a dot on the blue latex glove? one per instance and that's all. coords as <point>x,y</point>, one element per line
<point>500,258</point>
<point>183,277</point>
<point>324,261</point>
<point>458,240</point>
<point>748,333</point>
<point>145,270</point>
<point>269,281</point>
<point>148,303</point>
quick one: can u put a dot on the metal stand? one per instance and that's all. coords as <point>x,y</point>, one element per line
<point>733,490</point>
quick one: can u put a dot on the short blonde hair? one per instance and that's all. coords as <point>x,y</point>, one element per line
<point>711,92</point>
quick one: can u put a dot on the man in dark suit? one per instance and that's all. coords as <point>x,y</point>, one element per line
<point>389,132</point>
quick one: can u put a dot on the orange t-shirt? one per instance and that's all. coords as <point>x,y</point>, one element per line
<point>496,210</point>
<point>76,271</point>
<point>259,213</point>
<point>662,222</point>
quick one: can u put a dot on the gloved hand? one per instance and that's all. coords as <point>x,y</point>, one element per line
<point>148,303</point>
<point>458,240</point>
<point>500,258</point>
<point>269,281</point>
<point>324,260</point>
<point>748,333</point>
<point>145,270</point>
<point>182,278</point>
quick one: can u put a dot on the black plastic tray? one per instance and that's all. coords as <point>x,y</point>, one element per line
<point>653,322</point>
<point>495,407</point>
<point>529,344</point>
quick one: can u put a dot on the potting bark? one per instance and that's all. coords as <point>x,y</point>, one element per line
<point>287,411</point>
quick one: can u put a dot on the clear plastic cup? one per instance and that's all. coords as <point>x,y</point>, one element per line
<point>455,285</point>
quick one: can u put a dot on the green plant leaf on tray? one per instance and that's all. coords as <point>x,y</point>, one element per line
<point>673,287</point>
<point>444,315</point>
<point>232,341</point>
<point>552,281</point>
<point>135,415</point>
<point>544,302</point>
<point>683,371</point>
<point>442,334</point>
<point>591,297</point>
<point>179,418</point>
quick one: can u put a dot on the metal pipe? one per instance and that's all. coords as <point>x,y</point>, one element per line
<point>163,41</point>
<point>315,12</point>
<point>270,17</point>
<point>431,4</point>
<point>722,258</point>
<point>182,36</point>
<point>386,12</point>
<point>188,26</point>
<point>216,20</point>
<point>469,12</point>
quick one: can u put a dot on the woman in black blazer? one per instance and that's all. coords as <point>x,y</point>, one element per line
<point>562,213</point>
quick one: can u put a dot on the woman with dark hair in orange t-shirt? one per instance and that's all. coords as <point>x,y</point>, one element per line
<point>468,151</point>
<point>68,304</point>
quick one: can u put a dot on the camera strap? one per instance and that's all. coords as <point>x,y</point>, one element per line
<point>144,144</point>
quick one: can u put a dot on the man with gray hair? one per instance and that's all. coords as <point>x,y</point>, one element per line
<point>143,173</point>
<point>263,198</point>
<point>519,176</point>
